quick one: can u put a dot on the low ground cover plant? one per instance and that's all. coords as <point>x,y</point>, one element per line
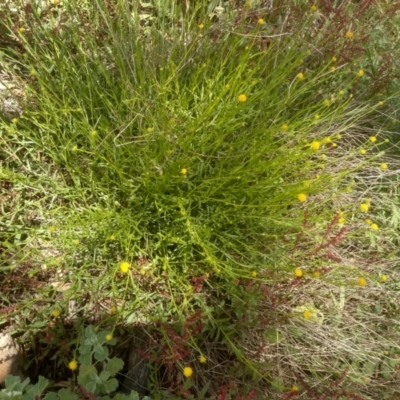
<point>209,174</point>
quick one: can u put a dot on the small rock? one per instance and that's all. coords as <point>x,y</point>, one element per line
<point>11,357</point>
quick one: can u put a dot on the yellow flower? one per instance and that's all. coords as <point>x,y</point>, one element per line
<point>201,26</point>
<point>360,73</point>
<point>363,151</point>
<point>260,21</point>
<point>302,197</point>
<point>333,69</point>
<point>74,148</point>
<point>183,171</point>
<point>300,76</point>
<point>374,227</point>
<point>55,313</point>
<point>202,359</point>
<point>188,372</point>
<point>73,365</point>
<point>298,272</point>
<point>372,139</point>
<point>113,310</point>
<point>52,228</point>
<point>364,207</point>
<point>327,139</point>
<point>284,127</point>
<point>109,337</point>
<point>295,388</point>
<point>323,156</point>
<point>327,102</point>
<point>349,34</point>
<point>338,136</point>
<point>227,86</point>
<point>112,237</point>
<point>242,98</point>
<point>93,133</point>
<point>334,59</point>
<point>254,274</point>
<point>33,72</point>
<point>21,30</point>
<point>142,271</point>
<point>362,281</point>
<point>307,314</point>
<point>384,278</point>
<point>14,120</point>
<point>380,103</point>
<point>124,267</point>
<point>342,221</point>
<point>315,145</point>
<point>384,166</point>
<point>313,8</point>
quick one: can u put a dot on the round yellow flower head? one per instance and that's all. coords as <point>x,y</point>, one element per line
<point>333,68</point>
<point>362,281</point>
<point>109,337</point>
<point>313,8</point>
<point>254,274</point>
<point>298,272</point>
<point>73,365</point>
<point>374,227</point>
<point>373,139</point>
<point>201,26</point>
<point>363,151</point>
<point>295,388</point>
<point>300,76</point>
<point>384,278</point>
<point>242,98</point>
<point>183,171</point>
<point>55,313</point>
<point>327,139</point>
<point>124,267</point>
<point>334,59</point>
<point>384,166</point>
<point>307,314</point>
<point>360,73</point>
<point>33,72</point>
<point>323,156</point>
<point>342,221</point>
<point>260,21</point>
<point>364,207</point>
<point>327,102</point>
<point>202,359</point>
<point>315,145</point>
<point>21,30</point>
<point>302,197</point>
<point>112,237</point>
<point>349,34</point>
<point>187,372</point>
<point>52,228</point>
<point>284,127</point>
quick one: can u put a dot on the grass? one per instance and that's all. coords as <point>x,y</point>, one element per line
<point>202,179</point>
